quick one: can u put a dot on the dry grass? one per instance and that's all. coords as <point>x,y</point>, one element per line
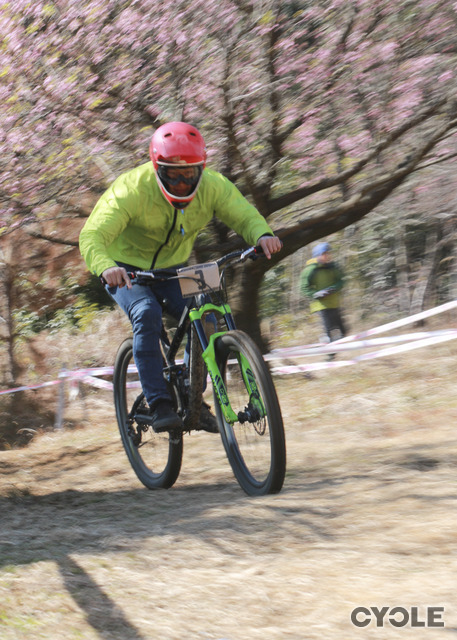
<point>367,517</point>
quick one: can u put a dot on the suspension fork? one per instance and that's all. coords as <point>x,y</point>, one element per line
<point>209,355</point>
<point>209,358</point>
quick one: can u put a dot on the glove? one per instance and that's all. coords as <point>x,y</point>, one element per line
<point>321,294</point>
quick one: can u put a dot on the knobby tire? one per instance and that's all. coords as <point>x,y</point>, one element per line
<point>256,449</point>
<point>155,458</point>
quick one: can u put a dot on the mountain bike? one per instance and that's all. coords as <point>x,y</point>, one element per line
<point>245,400</point>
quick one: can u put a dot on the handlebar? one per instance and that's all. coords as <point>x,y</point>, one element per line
<point>242,255</point>
<point>156,274</point>
<point>252,253</point>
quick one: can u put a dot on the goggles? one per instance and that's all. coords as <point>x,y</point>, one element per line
<point>173,175</point>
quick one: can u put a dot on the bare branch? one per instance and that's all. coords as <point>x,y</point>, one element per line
<point>55,240</point>
<point>364,201</point>
<point>328,182</point>
<point>437,161</point>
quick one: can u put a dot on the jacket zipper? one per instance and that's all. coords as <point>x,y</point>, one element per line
<point>166,240</point>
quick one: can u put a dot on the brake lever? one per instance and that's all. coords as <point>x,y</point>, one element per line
<point>252,253</point>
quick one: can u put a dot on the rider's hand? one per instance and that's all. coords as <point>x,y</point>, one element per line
<point>117,277</point>
<point>270,244</point>
<point>323,293</point>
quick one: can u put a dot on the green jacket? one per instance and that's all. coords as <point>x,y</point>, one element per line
<point>133,223</point>
<point>315,277</point>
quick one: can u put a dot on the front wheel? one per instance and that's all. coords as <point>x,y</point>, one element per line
<point>255,442</point>
<point>155,457</point>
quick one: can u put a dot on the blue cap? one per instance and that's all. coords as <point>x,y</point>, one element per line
<point>320,248</point>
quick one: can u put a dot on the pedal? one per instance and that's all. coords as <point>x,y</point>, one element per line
<point>143,419</point>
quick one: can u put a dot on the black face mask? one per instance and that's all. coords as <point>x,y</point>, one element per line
<point>179,205</point>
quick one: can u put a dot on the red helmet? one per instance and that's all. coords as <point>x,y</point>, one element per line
<point>174,145</point>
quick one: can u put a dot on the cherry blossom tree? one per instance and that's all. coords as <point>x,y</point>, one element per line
<point>318,110</point>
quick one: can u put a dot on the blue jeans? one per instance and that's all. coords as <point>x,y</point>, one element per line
<point>144,306</point>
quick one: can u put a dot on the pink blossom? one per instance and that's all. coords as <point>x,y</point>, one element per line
<point>447,75</point>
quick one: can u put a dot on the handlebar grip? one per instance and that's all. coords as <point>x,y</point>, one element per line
<point>131,275</point>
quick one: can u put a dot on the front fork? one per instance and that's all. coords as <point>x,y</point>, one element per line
<point>209,357</point>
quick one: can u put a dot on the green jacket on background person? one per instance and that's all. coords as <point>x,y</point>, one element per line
<point>317,277</point>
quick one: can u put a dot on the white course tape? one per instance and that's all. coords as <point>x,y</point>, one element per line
<point>27,388</point>
<point>402,322</point>
<point>337,346</point>
<point>287,369</point>
<point>96,382</point>
<point>356,341</point>
<point>80,373</point>
<point>359,341</point>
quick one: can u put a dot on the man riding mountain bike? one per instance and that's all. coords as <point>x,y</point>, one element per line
<point>150,218</point>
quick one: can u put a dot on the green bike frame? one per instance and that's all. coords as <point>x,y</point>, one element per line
<point>209,357</point>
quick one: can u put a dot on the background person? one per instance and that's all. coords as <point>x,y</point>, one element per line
<point>149,218</point>
<point>321,281</point>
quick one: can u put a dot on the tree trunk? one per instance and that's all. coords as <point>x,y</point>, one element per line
<point>452,287</point>
<point>296,267</point>
<point>452,282</point>
<point>11,367</point>
<point>243,299</point>
<point>426,272</point>
<point>401,263</point>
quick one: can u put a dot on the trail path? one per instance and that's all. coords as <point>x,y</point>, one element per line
<point>367,517</point>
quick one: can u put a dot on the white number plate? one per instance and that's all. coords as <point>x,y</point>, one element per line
<point>199,278</point>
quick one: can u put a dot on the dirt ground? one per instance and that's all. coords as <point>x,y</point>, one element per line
<point>367,517</point>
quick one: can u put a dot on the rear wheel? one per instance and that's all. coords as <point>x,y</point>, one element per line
<point>155,457</point>
<point>255,442</point>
